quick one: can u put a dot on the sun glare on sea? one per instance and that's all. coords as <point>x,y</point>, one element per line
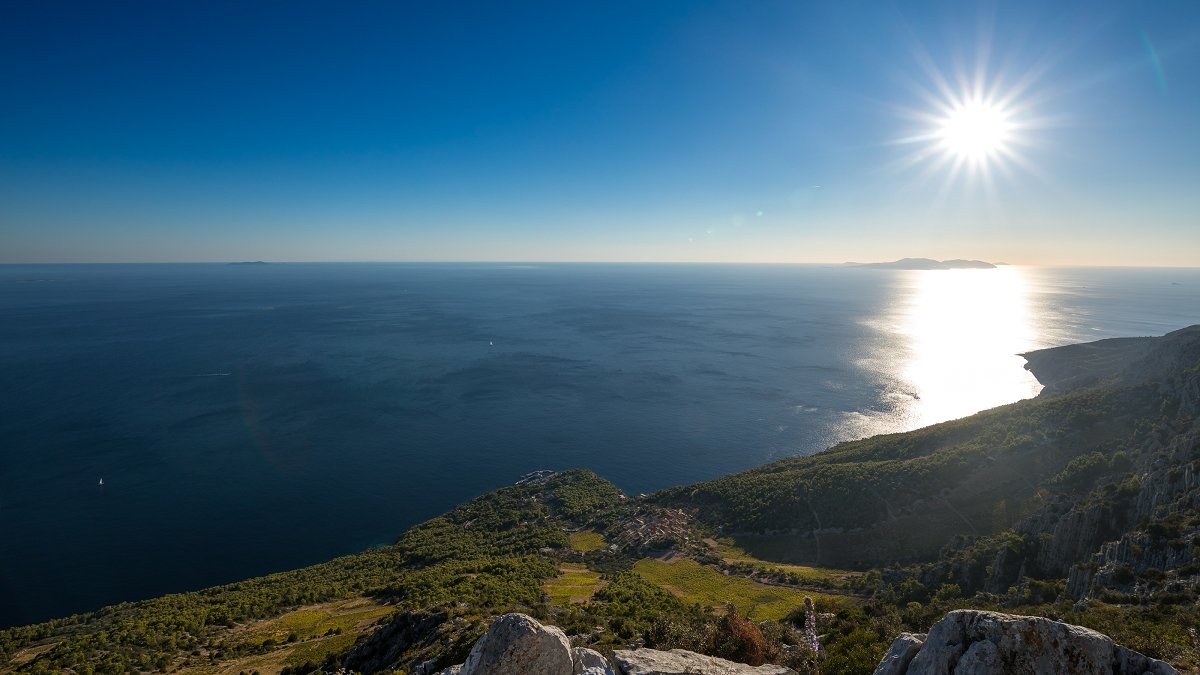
<point>964,330</point>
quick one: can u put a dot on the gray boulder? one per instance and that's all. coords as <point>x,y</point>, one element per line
<point>981,658</point>
<point>516,644</point>
<point>900,654</point>
<point>681,662</point>
<point>590,662</point>
<point>969,642</point>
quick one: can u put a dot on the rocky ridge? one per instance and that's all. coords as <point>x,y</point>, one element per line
<point>963,642</point>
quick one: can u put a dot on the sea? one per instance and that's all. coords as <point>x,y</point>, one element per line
<point>251,418</point>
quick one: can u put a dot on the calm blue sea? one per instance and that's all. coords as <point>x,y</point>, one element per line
<point>247,419</point>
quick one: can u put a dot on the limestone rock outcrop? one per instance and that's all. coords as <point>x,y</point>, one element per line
<point>591,662</point>
<point>970,642</point>
<point>900,654</point>
<point>517,644</point>
<point>681,662</point>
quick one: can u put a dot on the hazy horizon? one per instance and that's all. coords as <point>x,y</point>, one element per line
<point>518,261</point>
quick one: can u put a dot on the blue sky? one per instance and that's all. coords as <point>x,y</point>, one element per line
<point>648,131</point>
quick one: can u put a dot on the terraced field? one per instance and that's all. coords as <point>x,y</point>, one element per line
<point>696,583</point>
<point>307,634</point>
<point>576,584</point>
<point>730,553</point>
<point>586,541</point>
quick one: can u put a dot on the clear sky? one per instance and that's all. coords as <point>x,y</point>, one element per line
<point>640,131</point>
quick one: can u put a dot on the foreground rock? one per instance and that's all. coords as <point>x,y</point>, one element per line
<point>516,644</point>
<point>591,662</point>
<point>987,643</point>
<point>901,653</point>
<point>681,662</point>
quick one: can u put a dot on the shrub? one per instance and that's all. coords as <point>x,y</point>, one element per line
<point>1082,471</point>
<point>1123,574</point>
<point>739,639</point>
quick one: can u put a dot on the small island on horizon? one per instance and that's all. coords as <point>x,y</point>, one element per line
<point>250,262</point>
<point>929,264</point>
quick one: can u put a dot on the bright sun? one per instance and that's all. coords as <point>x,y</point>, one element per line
<point>976,134</point>
<point>974,130</point>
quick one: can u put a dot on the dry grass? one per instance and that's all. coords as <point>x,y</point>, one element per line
<point>25,656</point>
<point>726,550</point>
<point>319,630</point>
<point>707,587</point>
<point>575,584</point>
<point>586,540</point>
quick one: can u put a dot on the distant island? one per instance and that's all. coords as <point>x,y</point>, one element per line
<point>928,264</point>
<point>249,262</point>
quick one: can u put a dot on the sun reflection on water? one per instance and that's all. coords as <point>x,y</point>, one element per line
<point>964,329</point>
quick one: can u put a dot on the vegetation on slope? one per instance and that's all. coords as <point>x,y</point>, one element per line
<point>484,553</point>
<point>1080,507</point>
<point>906,492</point>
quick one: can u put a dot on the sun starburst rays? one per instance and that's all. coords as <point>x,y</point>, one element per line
<point>974,134</point>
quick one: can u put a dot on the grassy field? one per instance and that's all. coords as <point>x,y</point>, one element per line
<point>315,631</point>
<point>586,540</point>
<point>727,550</point>
<point>575,584</point>
<point>705,586</point>
<point>25,656</point>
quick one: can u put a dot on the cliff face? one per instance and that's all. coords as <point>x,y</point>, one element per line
<point>1161,550</point>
